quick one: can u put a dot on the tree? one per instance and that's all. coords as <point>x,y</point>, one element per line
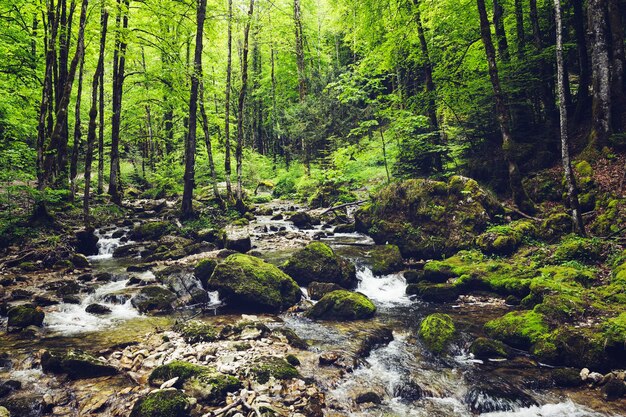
<point>190,144</point>
<point>229,71</point>
<point>601,107</point>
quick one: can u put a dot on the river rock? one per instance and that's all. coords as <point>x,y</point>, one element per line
<point>408,391</point>
<point>250,284</point>
<point>76,364</point>
<point>487,397</point>
<point>24,405</point>
<point>4,412</point>
<point>376,338</point>
<point>385,259</point>
<point>154,300</point>
<point>98,309</point>
<point>164,403</point>
<point>151,230</point>
<point>428,219</point>
<point>7,387</point>
<point>318,262</point>
<point>614,387</point>
<point>343,305</point>
<point>302,220</point>
<point>183,283</point>
<point>86,242</point>
<point>368,397</point>
<point>317,290</point>
<point>237,239</point>
<point>437,331</point>
<point>20,317</point>
<point>483,348</point>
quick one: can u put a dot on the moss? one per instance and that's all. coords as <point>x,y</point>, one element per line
<point>584,169</point>
<point>437,293</point>
<point>273,367</point>
<point>483,348</point>
<point>343,305</point>
<point>561,307</point>
<point>555,225</point>
<point>438,271</point>
<point>566,377</point>
<point>520,329</point>
<point>437,331</point>
<point>241,222</point>
<point>248,283</point>
<point>614,331</point>
<point>162,404</point>
<point>318,262</point>
<point>151,230</point>
<point>575,248</point>
<point>195,331</point>
<point>177,369</point>
<point>504,240</point>
<point>25,315</point>
<point>204,269</point>
<point>385,259</point>
<point>76,364</point>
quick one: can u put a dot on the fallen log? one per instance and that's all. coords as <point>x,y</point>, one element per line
<point>355,203</point>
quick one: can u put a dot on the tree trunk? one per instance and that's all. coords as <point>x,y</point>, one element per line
<point>77,130</point>
<point>572,192</point>
<point>119,65</point>
<point>519,26</point>
<point>241,107</point>
<point>521,199</point>
<point>104,21</point>
<point>297,17</point>
<point>498,22</point>
<point>601,108</point>
<point>190,144</point>
<point>584,78</point>
<point>93,112</point>
<point>618,62</point>
<point>229,70</point>
<point>207,142</point>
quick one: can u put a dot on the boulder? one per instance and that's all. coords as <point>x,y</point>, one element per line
<point>487,397</point>
<point>483,348</point>
<point>273,367</point>
<point>343,305</point>
<point>317,290</point>
<point>376,338</point>
<point>250,284</point>
<point>22,316</point>
<point>318,262</point>
<point>86,242</point>
<point>302,220</point>
<point>385,259</point>
<point>76,364</point>
<point>437,331</point>
<point>98,309</point>
<point>151,230</point>
<point>237,239</point>
<point>183,283</point>
<point>435,293</point>
<point>204,269</point>
<point>166,403</point>
<point>154,300</point>
<point>428,219</point>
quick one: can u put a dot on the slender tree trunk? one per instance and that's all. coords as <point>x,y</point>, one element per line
<point>618,63</point>
<point>601,108</point>
<point>382,138</point>
<point>498,22</point>
<point>241,108</point>
<point>77,130</point>
<point>104,21</point>
<point>229,70</point>
<point>584,79</point>
<point>119,65</point>
<point>519,26</point>
<point>209,148</point>
<point>520,197</point>
<point>52,152</point>
<point>297,17</point>
<point>190,145</point>
<point>572,192</point>
<point>93,112</point>
<point>546,95</point>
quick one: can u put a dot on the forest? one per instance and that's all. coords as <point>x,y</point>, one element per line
<point>312,208</point>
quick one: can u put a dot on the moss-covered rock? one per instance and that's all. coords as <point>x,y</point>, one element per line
<point>76,364</point>
<point>503,240</point>
<point>520,329</point>
<point>483,348</point>
<point>317,290</point>
<point>170,403</point>
<point>22,316</point>
<point>435,293</point>
<point>426,218</point>
<point>154,300</point>
<point>318,262</point>
<point>557,224</point>
<point>566,377</point>
<point>277,368</point>
<point>385,259</point>
<point>204,269</point>
<point>437,331</point>
<point>151,230</point>
<point>248,283</point>
<point>195,331</point>
<point>575,248</point>
<point>343,305</point>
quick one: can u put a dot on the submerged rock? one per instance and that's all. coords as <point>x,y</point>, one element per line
<point>183,283</point>
<point>250,284</point>
<point>318,262</point>
<point>76,364</point>
<point>378,337</point>
<point>22,316</point>
<point>344,306</point>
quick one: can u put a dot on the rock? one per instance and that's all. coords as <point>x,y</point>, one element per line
<point>4,412</point>
<point>277,368</point>
<point>385,259</point>
<point>317,290</point>
<point>195,331</point>
<point>318,262</point>
<point>437,331</point>
<point>595,378</point>
<point>345,228</point>
<point>483,348</point>
<point>378,337</point>
<point>76,364</point>
<point>428,219</point>
<point>343,305</point>
<point>169,403</point>
<point>408,391</point>
<point>44,301</point>
<point>250,284</point>
<point>204,269</point>
<point>368,397</point>
<point>434,293</point>
<point>566,378</point>
<point>237,239</point>
<point>302,220</point>
<point>86,242</point>
<point>98,309</point>
<point>71,299</point>
<point>584,374</point>
<point>504,240</point>
<point>183,283</point>
<point>211,235</point>
<point>487,397</point>
<point>154,299</point>
<point>21,294</point>
<point>22,316</point>
<point>437,272</point>
<point>141,267</point>
<point>7,387</point>
<point>292,338</point>
<point>151,230</point>
<point>25,405</point>
<point>614,388</point>
<point>80,261</point>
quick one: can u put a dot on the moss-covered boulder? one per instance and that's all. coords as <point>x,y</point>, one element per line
<point>250,284</point>
<point>318,262</point>
<point>426,218</point>
<point>343,305</point>
<point>22,316</point>
<point>385,259</point>
<point>154,299</point>
<point>435,293</point>
<point>437,331</point>
<point>575,248</point>
<point>483,348</point>
<point>555,225</point>
<point>519,329</point>
<point>200,382</point>
<point>273,367</point>
<point>204,269</point>
<point>76,364</point>
<point>503,240</point>
<point>196,331</point>
<point>151,230</point>
<point>170,403</point>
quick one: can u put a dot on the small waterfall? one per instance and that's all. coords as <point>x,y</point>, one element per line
<point>107,243</point>
<point>386,290</point>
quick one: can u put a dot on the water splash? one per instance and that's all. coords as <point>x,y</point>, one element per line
<point>107,243</point>
<point>385,291</point>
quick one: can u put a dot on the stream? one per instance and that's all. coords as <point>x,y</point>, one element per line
<point>409,380</point>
